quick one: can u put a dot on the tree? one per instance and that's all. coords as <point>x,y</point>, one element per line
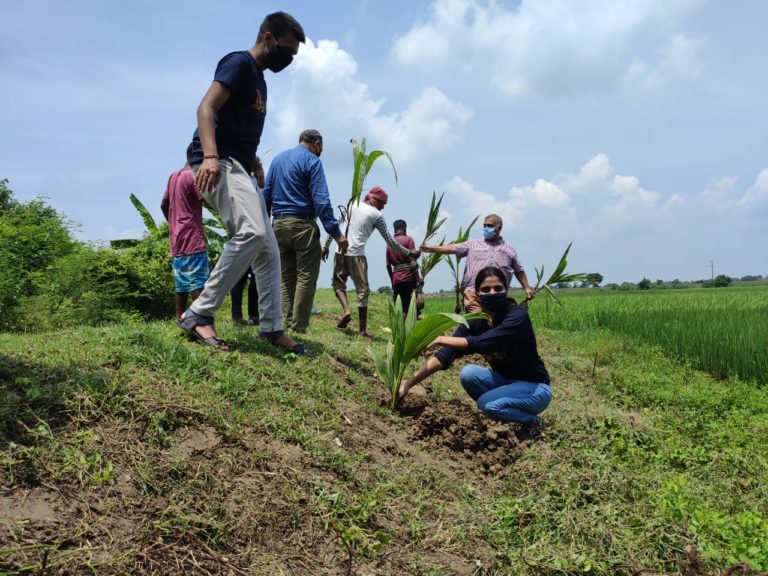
<point>386,290</point>
<point>720,281</point>
<point>593,279</point>
<point>644,284</point>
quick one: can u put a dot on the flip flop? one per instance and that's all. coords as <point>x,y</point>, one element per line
<point>344,322</point>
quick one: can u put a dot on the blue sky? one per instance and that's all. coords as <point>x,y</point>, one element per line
<point>635,129</point>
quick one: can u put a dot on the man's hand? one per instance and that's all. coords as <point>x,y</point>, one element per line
<point>414,254</point>
<point>343,244</point>
<point>529,293</point>
<point>208,175</point>
<point>426,248</point>
<point>324,254</point>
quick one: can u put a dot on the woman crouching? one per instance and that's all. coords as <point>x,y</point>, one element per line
<point>516,388</point>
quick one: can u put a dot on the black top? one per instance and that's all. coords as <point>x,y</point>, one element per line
<point>510,347</point>
<point>240,121</point>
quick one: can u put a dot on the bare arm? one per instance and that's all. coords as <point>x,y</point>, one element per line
<point>447,249</point>
<point>164,206</point>
<point>523,279</point>
<point>430,367</point>
<point>216,96</point>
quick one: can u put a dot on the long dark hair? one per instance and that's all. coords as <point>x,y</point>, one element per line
<point>494,272</point>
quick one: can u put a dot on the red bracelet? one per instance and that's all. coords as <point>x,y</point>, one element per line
<point>210,156</point>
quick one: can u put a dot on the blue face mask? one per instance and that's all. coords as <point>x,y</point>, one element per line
<point>489,233</point>
<point>493,303</point>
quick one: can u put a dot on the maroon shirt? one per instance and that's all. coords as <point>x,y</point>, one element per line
<point>185,214</point>
<point>394,258</point>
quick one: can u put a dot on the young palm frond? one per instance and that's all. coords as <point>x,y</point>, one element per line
<point>363,162</point>
<point>408,339</point>
<point>559,275</point>
<point>453,263</point>
<point>429,261</point>
<point>433,224</point>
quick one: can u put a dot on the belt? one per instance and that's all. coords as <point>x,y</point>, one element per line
<point>304,216</point>
<point>406,266</point>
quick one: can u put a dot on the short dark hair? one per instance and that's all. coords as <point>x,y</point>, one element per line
<point>488,272</point>
<point>496,217</point>
<point>310,135</point>
<point>190,152</point>
<point>399,225</point>
<point>278,24</point>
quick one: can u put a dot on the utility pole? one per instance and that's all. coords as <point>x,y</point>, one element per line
<point>712,269</point>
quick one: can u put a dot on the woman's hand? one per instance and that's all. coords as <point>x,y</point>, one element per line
<point>403,390</point>
<point>436,343</point>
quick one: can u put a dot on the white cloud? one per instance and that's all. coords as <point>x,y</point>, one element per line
<point>553,47</point>
<point>681,57</point>
<point>757,193</point>
<point>325,88</point>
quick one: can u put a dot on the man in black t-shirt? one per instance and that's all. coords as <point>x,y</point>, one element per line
<point>230,121</point>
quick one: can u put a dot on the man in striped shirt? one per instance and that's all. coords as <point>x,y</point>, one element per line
<point>490,251</point>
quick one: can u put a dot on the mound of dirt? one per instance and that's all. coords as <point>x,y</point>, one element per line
<point>487,446</point>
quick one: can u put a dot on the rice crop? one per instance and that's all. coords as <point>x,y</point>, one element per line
<point>723,331</point>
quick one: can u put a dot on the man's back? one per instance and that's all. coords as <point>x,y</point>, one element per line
<point>399,261</point>
<point>362,222</point>
<point>289,182</point>
<point>185,214</point>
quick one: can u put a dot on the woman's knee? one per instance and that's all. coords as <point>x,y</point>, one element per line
<point>470,373</point>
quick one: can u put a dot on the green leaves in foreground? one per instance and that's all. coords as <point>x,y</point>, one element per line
<point>408,339</point>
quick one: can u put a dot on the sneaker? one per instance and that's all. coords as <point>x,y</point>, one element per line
<point>530,432</point>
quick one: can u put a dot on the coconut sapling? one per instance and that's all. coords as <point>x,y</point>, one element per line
<point>408,338</point>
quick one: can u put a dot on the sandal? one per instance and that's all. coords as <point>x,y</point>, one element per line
<point>189,324</point>
<point>344,322</point>
<point>273,337</point>
<point>213,341</point>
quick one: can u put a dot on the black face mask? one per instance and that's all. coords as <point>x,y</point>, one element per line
<point>493,303</point>
<point>279,58</point>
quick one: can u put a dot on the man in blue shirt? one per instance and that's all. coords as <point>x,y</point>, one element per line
<point>230,120</point>
<point>296,193</point>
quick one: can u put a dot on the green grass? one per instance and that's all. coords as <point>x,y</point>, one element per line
<point>723,331</point>
<point>643,456</point>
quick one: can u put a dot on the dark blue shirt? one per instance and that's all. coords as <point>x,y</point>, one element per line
<point>510,347</point>
<point>240,121</point>
<point>296,184</point>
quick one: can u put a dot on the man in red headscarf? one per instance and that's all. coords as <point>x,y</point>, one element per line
<point>362,219</point>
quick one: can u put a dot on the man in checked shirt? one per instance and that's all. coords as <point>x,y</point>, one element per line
<point>363,219</point>
<point>490,251</point>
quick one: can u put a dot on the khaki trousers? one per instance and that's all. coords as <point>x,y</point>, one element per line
<point>300,255</point>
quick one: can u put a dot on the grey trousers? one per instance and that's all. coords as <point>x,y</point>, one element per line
<point>252,243</point>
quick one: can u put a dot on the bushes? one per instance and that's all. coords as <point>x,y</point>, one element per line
<point>33,235</point>
<point>49,279</point>
<point>94,285</point>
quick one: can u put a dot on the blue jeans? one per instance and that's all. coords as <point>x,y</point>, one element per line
<point>504,399</point>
